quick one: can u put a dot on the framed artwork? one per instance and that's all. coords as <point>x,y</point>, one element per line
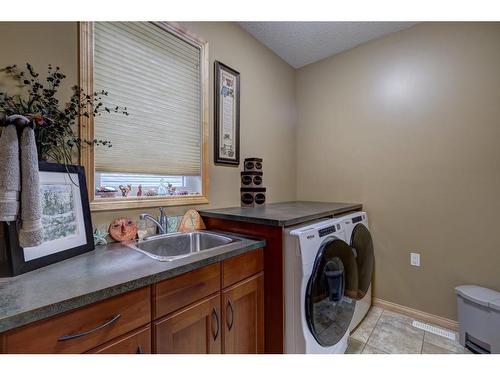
<point>227,115</point>
<point>65,218</point>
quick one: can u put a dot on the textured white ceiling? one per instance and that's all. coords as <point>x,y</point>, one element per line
<point>302,43</point>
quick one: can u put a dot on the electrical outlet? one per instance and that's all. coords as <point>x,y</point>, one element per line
<point>415,259</point>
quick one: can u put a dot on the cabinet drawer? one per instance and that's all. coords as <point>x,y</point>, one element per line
<point>242,266</point>
<point>137,342</point>
<point>172,294</point>
<point>85,328</point>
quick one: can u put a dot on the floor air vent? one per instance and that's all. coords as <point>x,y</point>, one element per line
<point>433,329</point>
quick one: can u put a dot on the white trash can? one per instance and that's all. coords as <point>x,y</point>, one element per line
<point>479,318</point>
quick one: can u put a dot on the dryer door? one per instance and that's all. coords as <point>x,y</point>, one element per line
<point>329,306</point>
<point>361,240</point>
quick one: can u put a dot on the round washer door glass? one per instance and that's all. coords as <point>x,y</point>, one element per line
<point>329,307</point>
<point>361,240</point>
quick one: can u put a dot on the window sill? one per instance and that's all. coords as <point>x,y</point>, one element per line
<point>104,204</point>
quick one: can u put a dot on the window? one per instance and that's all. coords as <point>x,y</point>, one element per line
<point>159,151</point>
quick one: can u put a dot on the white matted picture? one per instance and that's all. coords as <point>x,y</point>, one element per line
<point>62,215</point>
<point>66,221</point>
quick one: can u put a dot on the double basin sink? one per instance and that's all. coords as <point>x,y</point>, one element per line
<point>169,247</point>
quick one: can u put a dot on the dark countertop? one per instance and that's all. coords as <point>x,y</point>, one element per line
<point>283,214</point>
<point>94,276</point>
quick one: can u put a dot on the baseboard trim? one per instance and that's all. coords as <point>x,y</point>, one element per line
<point>416,314</point>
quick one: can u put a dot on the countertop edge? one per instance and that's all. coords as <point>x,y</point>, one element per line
<point>24,318</point>
<point>280,223</point>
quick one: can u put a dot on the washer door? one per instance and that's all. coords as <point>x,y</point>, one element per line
<point>330,292</point>
<point>361,240</point>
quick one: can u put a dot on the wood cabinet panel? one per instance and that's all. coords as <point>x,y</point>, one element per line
<point>97,324</point>
<point>193,330</point>
<point>243,317</point>
<point>136,342</point>
<point>274,271</point>
<point>172,294</point>
<point>242,266</point>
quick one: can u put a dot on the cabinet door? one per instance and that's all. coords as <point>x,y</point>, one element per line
<point>195,329</point>
<point>137,342</point>
<point>243,316</point>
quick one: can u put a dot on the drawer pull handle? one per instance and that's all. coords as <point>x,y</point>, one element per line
<point>77,335</point>
<point>230,324</point>
<point>214,313</point>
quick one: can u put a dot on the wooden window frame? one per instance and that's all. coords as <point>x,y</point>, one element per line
<point>86,125</point>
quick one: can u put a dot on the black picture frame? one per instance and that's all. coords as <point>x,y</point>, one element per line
<point>12,261</point>
<point>218,158</point>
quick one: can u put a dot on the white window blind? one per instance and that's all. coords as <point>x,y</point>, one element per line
<point>157,76</point>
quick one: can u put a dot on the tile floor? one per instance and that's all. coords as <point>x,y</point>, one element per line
<point>386,332</point>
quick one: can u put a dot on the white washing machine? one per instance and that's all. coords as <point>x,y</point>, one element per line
<point>320,274</point>
<point>358,236</point>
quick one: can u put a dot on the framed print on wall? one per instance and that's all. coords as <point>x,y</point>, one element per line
<point>65,218</point>
<point>227,115</point>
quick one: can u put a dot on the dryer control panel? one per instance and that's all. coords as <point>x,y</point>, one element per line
<point>328,230</point>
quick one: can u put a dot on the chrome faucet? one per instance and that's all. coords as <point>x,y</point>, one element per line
<point>163,220</point>
<point>161,223</point>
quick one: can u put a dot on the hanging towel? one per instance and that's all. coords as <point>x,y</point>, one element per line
<point>31,233</point>
<point>9,174</point>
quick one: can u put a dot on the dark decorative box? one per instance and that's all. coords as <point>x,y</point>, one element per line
<point>253,164</point>
<point>251,179</point>
<point>253,197</point>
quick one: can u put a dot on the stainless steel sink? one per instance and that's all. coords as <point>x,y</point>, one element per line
<point>168,247</point>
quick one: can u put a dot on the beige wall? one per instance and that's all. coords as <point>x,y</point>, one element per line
<point>267,100</point>
<point>409,125</point>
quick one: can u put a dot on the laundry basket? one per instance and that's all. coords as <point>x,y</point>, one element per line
<point>479,318</point>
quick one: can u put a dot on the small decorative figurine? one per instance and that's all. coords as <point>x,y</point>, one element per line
<point>191,221</point>
<point>162,189</point>
<point>151,192</point>
<point>171,189</point>
<point>139,191</point>
<point>123,229</point>
<point>100,237</point>
<point>125,190</point>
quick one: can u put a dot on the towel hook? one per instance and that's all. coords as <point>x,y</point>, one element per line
<point>17,120</point>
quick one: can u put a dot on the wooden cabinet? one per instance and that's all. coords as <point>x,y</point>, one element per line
<point>243,316</point>
<point>136,342</point>
<point>274,271</point>
<point>195,329</point>
<point>218,308</point>
<point>229,321</point>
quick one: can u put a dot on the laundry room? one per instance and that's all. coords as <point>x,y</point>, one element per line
<point>249,182</point>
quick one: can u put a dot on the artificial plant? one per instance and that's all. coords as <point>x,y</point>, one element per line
<point>55,124</point>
